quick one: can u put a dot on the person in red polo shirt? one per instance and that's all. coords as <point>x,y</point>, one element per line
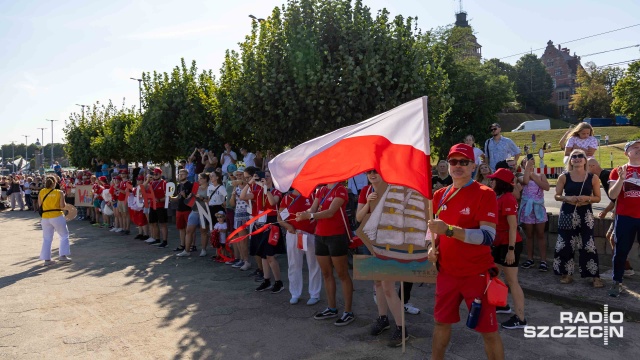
<point>332,246</point>
<point>123,207</point>
<point>625,188</point>
<point>292,203</point>
<point>465,225</point>
<point>158,215</point>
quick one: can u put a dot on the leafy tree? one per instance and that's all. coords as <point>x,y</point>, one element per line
<point>626,94</point>
<point>533,84</point>
<point>81,131</point>
<point>591,98</point>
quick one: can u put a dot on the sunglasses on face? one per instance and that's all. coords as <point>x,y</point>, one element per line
<point>577,156</point>
<point>455,162</point>
<point>493,129</point>
<point>370,172</point>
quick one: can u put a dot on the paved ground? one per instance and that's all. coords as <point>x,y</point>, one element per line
<point>123,299</point>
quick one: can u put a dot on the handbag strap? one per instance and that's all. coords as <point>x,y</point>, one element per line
<point>344,221</point>
<point>44,198</point>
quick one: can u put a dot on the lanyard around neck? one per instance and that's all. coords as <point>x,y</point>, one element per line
<point>445,200</point>
<point>325,197</point>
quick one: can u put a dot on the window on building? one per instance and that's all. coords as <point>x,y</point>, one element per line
<point>554,83</point>
<point>561,95</point>
<point>558,72</point>
<point>549,63</point>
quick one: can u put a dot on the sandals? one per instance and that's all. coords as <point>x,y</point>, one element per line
<point>543,266</point>
<point>527,264</point>
<point>597,283</point>
<point>566,279</point>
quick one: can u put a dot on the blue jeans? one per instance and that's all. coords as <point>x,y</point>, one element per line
<point>627,229</point>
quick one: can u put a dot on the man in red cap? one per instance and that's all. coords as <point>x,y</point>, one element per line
<point>465,227</point>
<point>158,215</point>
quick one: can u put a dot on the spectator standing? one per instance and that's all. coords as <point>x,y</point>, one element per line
<point>498,147</point>
<point>183,190</point>
<point>332,247</point>
<point>625,189</point>
<point>53,220</point>
<point>217,193</point>
<point>581,138</point>
<point>291,204</point>
<point>259,160</point>
<point>210,161</point>
<point>158,216</point>
<point>576,221</point>
<point>241,216</point>
<point>190,165</point>
<point>193,221</point>
<point>507,246</point>
<point>442,179</point>
<point>27,193</point>
<point>16,192</point>
<point>465,227</point>
<point>248,158</point>
<point>483,172</point>
<point>606,140</point>
<point>533,214</point>
<point>57,169</point>
<point>228,157</point>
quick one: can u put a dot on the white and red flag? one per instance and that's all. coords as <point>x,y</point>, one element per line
<point>394,143</point>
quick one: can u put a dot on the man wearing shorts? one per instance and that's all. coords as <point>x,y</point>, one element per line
<point>182,214</point>
<point>123,207</point>
<point>158,217</point>
<point>465,226</point>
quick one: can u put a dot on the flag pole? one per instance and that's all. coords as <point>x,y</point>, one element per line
<point>404,326</point>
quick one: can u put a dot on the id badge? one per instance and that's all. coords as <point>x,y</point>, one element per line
<point>284,214</point>
<point>262,219</point>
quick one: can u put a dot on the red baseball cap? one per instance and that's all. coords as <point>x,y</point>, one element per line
<point>117,177</point>
<point>503,174</point>
<point>462,149</point>
<point>103,178</point>
<point>124,171</point>
<point>157,171</point>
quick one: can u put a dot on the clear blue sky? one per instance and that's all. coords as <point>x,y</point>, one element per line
<point>56,54</point>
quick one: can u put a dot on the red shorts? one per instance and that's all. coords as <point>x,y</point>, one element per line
<point>181,219</point>
<point>451,290</point>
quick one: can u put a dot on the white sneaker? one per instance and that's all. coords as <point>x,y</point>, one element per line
<point>410,309</point>
<point>629,272</point>
<point>113,229</point>
<point>246,266</point>
<point>150,240</point>
<point>184,254</point>
<point>203,253</point>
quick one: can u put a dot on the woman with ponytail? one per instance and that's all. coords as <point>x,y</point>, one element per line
<point>51,203</point>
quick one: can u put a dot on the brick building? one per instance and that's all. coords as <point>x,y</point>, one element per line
<point>469,44</point>
<point>563,68</point>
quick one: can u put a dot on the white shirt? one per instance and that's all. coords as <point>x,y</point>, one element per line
<point>249,159</point>
<point>477,153</point>
<point>222,228</point>
<point>220,195</point>
<point>227,159</point>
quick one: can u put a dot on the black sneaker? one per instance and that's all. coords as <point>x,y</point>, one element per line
<point>127,232</point>
<point>615,289</point>
<point>345,319</point>
<point>543,266</point>
<point>144,237</point>
<point>163,245</point>
<point>179,248</point>
<point>156,242</point>
<point>527,264</point>
<point>396,337</point>
<point>138,237</point>
<point>266,285</point>
<point>503,309</point>
<point>381,324</point>
<point>326,314</point>
<point>277,287</point>
<point>514,322</point>
<point>193,248</point>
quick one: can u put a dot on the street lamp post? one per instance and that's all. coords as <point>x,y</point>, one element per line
<point>139,91</point>
<point>51,140</point>
<point>256,18</point>
<point>13,156</point>
<point>83,106</point>
<point>26,150</point>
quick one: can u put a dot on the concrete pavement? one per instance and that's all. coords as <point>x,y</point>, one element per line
<point>121,298</point>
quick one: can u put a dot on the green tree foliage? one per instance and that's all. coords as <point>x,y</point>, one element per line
<point>81,131</point>
<point>314,66</point>
<point>533,84</point>
<point>179,114</point>
<point>592,98</point>
<point>626,94</point>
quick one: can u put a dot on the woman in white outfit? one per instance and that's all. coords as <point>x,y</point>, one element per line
<point>52,202</point>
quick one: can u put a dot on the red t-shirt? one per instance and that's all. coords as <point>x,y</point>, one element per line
<point>336,224</point>
<point>507,205</point>
<point>364,193</point>
<point>259,199</point>
<point>628,202</point>
<point>466,209</point>
<point>87,182</point>
<point>294,206</point>
<point>159,187</point>
<point>122,190</point>
<point>267,204</point>
<point>97,190</point>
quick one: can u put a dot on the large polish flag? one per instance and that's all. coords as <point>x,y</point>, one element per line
<point>394,143</point>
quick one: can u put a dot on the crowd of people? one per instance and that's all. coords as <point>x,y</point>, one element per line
<point>485,205</point>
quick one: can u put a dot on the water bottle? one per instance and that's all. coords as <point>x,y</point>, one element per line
<point>474,313</point>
